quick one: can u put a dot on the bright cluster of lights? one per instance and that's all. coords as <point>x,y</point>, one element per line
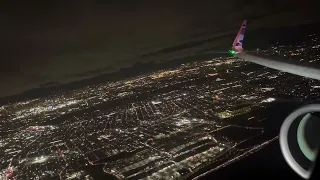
<point>268,100</point>
<point>164,73</point>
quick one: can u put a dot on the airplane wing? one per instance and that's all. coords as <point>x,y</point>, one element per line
<point>297,68</point>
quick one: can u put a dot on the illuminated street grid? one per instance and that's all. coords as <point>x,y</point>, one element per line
<point>167,124</point>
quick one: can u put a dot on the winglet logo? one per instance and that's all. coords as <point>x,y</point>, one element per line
<point>239,43</point>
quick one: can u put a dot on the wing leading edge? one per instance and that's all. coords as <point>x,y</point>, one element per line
<point>297,68</point>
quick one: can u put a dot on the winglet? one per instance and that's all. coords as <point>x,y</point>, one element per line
<point>237,43</point>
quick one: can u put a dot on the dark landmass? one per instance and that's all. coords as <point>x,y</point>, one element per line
<point>49,84</point>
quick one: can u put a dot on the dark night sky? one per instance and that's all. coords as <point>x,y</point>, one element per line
<point>45,42</point>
